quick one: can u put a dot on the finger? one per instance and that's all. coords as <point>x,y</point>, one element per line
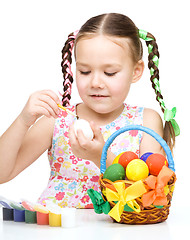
<point>42,111</point>
<point>96,130</point>
<point>53,95</point>
<point>83,141</point>
<point>72,137</point>
<point>49,101</point>
<point>47,108</point>
<point>71,131</point>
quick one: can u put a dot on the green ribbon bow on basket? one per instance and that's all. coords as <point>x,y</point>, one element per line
<point>169,117</point>
<point>100,206</point>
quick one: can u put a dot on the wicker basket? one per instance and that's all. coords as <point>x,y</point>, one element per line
<point>150,214</point>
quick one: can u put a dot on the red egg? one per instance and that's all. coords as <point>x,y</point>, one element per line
<point>126,157</point>
<point>155,163</point>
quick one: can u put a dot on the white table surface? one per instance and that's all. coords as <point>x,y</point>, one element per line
<point>90,225</point>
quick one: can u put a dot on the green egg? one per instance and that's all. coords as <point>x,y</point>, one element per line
<point>115,172</point>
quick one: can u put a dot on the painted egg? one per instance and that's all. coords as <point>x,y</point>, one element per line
<point>117,158</point>
<point>85,127</point>
<point>155,163</point>
<point>136,170</point>
<point>126,157</point>
<point>145,156</point>
<point>114,172</point>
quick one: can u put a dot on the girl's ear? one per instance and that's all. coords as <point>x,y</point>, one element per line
<point>138,71</point>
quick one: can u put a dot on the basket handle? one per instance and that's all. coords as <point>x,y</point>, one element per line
<point>141,128</point>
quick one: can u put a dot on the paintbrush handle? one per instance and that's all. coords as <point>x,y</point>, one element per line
<point>65,109</point>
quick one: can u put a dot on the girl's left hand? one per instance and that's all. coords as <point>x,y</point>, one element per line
<point>85,149</point>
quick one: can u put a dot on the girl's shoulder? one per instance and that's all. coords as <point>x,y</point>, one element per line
<point>150,115</point>
<point>153,120</point>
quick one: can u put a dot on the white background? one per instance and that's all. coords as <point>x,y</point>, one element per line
<point>32,34</point>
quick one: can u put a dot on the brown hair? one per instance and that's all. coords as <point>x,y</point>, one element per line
<point>118,25</point>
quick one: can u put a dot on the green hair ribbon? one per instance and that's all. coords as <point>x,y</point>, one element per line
<point>169,117</point>
<point>143,35</point>
<point>155,59</point>
<point>168,114</point>
<point>150,47</point>
<point>157,85</point>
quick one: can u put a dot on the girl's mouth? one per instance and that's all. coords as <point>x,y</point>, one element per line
<point>98,96</point>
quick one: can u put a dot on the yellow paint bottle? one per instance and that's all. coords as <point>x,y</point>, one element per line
<point>54,215</point>
<point>54,219</point>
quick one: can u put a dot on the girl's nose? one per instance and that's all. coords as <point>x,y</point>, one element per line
<point>96,81</point>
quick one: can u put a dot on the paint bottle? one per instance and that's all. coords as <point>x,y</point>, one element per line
<point>7,209</point>
<point>54,215</point>
<point>18,212</point>
<point>68,217</point>
<point>42,214</point>
<point>30,213</point>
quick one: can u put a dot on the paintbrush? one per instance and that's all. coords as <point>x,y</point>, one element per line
<point>65,109</point>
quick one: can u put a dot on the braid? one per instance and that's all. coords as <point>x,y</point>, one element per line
<point>66,68</point>
<point>153,61</point>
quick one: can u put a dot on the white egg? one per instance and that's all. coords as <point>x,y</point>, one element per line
<point>85,127</point>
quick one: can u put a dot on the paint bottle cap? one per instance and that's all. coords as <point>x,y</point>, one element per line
<point>40,208</point>
<point>5,202</point>
<point>28,205</point>
<point>16,205</point>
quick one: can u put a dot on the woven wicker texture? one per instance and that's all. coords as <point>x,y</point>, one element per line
<point>147,215</point>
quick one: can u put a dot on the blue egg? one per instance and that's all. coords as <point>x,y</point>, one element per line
<point>145,156</point>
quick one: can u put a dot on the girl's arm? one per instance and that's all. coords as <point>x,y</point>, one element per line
<point>23,143</point>
<point>152,120</point>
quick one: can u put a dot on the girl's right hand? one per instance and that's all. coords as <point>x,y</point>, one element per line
<point>40,103</point>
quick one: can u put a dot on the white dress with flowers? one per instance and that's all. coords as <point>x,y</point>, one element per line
<point>71,176</point>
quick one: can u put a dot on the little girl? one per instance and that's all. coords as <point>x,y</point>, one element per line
<point>108,54</point>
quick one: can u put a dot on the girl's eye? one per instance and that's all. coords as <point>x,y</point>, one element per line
<point>110,74</point>
<point>85,73</point>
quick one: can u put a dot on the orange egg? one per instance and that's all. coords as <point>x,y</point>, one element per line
<point>126,157</point>
<point>155,163</point>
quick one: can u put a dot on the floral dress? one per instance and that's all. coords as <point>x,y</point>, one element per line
<point>71,176</point>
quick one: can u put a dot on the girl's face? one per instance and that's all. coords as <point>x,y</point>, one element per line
<point>104,72</point>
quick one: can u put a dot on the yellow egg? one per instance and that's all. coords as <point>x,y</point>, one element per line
<point>117,158</point>
<point>136,170</point>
